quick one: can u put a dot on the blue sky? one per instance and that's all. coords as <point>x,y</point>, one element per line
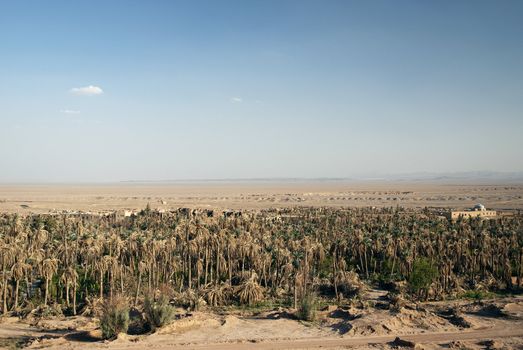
<point>249,89</point>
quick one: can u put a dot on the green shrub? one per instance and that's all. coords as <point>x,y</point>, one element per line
<point>423,274</point>
<point>477,295</point>
<point>115,317</point>
<point>307,308</point>
<point>158,313</point>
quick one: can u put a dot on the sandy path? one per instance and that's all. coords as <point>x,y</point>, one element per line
<point>306,343</point>
<point>23,330</point>
<point>498,332</point>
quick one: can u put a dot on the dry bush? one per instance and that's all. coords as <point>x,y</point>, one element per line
<point>349,284</point>
<point>48,311</point>
<point>190,300</point>
<point>397,302</point>
<point>250,292</point>
<point>218,295</point>
<point>93,307</point>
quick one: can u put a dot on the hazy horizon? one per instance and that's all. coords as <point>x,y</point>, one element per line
<point>476,177</point>
<point>170,90</point>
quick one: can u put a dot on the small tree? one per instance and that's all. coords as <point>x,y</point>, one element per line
<point>422,276</point>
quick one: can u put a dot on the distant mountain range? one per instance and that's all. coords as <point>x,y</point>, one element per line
<point>472,176</point>
<point>455,177</point>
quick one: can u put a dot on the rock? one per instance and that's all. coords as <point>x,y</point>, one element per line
<point>330,308</point>
<point>458,345</point>
<point>382,305</point>
<point>491,310</point>
<point>454,316</point>
<point>122,337</point>
<point>494,345</point>
<point>398,342</point>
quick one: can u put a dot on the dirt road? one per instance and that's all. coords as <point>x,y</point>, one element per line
<point>326,343</point>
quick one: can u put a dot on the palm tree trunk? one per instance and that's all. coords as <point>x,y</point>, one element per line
<point>101,284</point>
<point>149,278</point>
<point>295,292</point>
<point>198,272</point>
<point>74,299</point>
<point>229,263</point>
<point>264,273</point>
<point>206,264</point>
<point>28,287</point>
<point>520,271</point>
<point>334,277</point>
<point>218,264</point>
<point>305,271</point>
<point>111,283</point>
<point>138,288</point>
<point>46,290</point>
<point>366,264</point>
<point>393,263</point>
<point>67,293</point>
<point>4,293</point>
<point>189,271</point>
<point>121,283</point>
<point>361,261</point>
<point>16,294</point>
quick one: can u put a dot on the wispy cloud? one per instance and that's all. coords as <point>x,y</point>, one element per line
<point>236,100</point>
<point>69,111</point>
<point>90,90</point>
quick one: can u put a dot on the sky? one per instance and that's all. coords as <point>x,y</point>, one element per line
<point>163,90</point>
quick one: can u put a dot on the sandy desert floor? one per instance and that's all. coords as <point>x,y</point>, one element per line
<point>494,324</point>
<point>255,195</point>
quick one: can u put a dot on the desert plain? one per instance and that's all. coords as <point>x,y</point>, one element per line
<point>43,198</point>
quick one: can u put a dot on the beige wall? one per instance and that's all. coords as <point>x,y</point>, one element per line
<point>472,214</point>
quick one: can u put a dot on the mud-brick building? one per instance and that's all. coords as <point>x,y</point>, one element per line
<point>478,210</point>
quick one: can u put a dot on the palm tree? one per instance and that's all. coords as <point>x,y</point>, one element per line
<point>69,279</point>
<point>18,272</point>
<point>7,255</point>
<point>48,269</point>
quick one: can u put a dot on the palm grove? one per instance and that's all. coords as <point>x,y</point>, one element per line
<point>247,258</point>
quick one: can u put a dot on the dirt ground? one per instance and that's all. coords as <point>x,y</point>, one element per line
<point>494,324</point>
<point>255,195</point>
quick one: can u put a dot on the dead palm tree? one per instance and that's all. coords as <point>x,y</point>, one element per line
<point>250,292</point>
